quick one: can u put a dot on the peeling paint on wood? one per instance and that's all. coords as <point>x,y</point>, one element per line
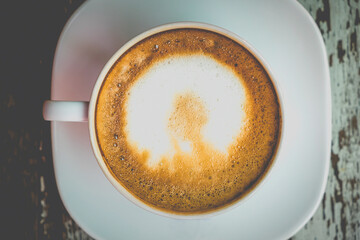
<point>338,217</point>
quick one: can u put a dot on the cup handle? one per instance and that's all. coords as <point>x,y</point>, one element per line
<point>65,111</point>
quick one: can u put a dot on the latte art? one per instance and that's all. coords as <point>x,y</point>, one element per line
<point>188,121</point>
<point>182,102</point>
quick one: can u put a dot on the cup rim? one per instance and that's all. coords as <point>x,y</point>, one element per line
<point>92,109</point>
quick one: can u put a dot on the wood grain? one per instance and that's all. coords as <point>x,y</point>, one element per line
<point>338,216</point>
<point>30,206</point>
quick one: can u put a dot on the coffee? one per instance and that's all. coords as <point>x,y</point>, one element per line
<point>188,121</point>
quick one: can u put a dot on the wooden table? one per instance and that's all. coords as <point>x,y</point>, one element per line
<point>30,206</point>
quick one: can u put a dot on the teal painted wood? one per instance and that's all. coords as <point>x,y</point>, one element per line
<point>338,216</point>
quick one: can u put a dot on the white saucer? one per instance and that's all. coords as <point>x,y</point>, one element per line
<point>286,36</point>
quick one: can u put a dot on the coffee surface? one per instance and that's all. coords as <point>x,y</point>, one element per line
<point>188,121</point>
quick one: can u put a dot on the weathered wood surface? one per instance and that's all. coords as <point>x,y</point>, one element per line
<point>338,216</point>
<point>30,206</point>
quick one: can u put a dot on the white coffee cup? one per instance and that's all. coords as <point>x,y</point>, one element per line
<point>75,111</point>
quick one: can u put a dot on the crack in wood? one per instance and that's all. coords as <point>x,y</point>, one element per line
<point>331,60</point>
<point>340,51</point>
<point>353,44</point>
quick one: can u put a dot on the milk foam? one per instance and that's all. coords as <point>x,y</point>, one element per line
<point>152,97</point>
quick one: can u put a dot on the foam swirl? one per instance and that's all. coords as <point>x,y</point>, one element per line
<point>182,101</point>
